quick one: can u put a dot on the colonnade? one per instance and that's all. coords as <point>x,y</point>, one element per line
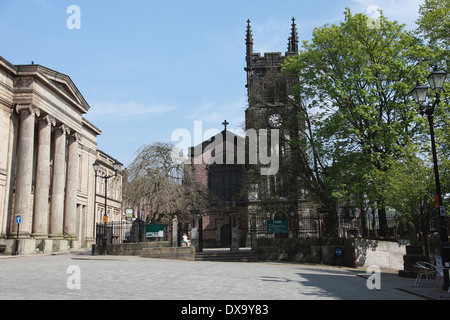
<point>53,212</point>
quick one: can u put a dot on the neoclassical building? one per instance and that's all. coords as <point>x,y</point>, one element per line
<point>47,149</point>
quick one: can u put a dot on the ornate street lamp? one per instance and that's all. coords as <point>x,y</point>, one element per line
<point>96,167</point>
<point>419,94</point>
<point>436,81</point>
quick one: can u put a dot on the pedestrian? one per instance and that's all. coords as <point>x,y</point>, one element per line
<point>185,240</point>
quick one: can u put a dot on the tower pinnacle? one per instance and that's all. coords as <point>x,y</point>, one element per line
<point>293,39</point>
<point>249,39</point>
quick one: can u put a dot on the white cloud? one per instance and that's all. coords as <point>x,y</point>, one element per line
<point>403,11</point>
<point>113,110</point>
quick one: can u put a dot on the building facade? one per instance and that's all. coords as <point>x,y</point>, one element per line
<point>111,188</point>
<point>270,107</point>
<point>47,149</point>
<point>223,222</point>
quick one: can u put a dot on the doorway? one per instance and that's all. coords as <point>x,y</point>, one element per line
<point>225,236</point>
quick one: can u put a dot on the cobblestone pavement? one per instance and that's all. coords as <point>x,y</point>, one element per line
<point>74,276</point>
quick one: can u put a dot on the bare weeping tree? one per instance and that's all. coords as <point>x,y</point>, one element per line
<point>160,181</point>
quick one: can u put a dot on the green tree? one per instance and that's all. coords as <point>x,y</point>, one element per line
<point>434,26</point>
<point>434,23</point>
<point>408,188</point>
<point>355,79</point>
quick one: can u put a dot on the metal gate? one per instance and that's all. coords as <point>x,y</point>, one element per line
<point>120,232</point>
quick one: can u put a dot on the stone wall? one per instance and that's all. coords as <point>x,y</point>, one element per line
<point>301,250</point>
<point>133,249</point>
<point>385,254</point>
<point>156,249</point>
<point>355,252</point>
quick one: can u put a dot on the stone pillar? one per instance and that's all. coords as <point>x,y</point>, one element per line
<point>254,242</point>
<point>70,207</point>
<point>175,232</point>
<point>58,184</point>
<point>194,230</point>
<point>234,232</point>
<point>25,149</point>
<point>42,184</point>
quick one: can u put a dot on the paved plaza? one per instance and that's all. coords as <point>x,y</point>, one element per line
<point>80,276</point>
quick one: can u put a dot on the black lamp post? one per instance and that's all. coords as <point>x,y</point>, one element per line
<point>106,178</point>
<point>319,229</point>
<point>436,81</point>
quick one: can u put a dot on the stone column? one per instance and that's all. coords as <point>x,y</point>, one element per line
<point>25,149</point>
<point>42,184</point>
<point>58,184</point>
<point>70,207</point>
<point>254,243</point>
<point>175,232</point>
<point>194,230</point>
<point>234,232</point>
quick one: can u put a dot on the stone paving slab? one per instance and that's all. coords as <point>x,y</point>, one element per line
<point>52,277</point>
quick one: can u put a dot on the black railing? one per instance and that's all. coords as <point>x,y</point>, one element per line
<point>312,227</point>
<point>120,232</point>
<point>303,227</point>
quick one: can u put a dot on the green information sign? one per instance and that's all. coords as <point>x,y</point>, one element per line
<point>277,226</point>
<point>154,230</point>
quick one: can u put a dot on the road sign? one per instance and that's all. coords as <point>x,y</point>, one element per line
<point>18,218</point>
<point>436,201</point>
<point>338,252</point>
<point>105,218</point>
<point>442,211</point>
<point>129,213</point>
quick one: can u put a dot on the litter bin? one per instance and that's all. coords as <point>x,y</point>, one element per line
<point>338,256</point>
<point>95,249</point>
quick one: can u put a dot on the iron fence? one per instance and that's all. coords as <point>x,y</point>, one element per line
<point>302,227</point>
<point>127,232</point>
<point>120,232</point>
<point>313,227</point>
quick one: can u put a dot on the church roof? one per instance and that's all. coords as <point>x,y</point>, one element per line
<point>214,141</point>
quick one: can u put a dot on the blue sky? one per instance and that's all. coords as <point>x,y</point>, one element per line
<point>148,67</point>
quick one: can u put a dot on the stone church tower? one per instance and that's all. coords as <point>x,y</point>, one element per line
<point>270,106</point>
<point>267,89</point>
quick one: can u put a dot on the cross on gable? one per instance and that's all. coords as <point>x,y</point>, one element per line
<point>225,123</point>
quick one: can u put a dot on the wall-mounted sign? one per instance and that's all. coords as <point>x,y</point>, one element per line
<point>277,226</point>
<point>154,230</point>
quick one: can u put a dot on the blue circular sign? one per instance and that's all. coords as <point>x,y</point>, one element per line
<point>338,252</point>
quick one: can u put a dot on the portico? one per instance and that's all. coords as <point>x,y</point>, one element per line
<point>47,149</point>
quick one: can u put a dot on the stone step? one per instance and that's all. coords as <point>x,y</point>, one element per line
<point>226,256</point>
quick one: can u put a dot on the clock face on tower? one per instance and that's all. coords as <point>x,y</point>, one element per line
<point>275,120</point>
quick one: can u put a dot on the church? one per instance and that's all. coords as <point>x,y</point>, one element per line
<point>220,177</point>
<point>238,187</point>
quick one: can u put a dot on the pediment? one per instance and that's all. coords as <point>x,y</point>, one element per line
<point>63,87</point>
<point>59,83</point>
<point>63,84</point>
